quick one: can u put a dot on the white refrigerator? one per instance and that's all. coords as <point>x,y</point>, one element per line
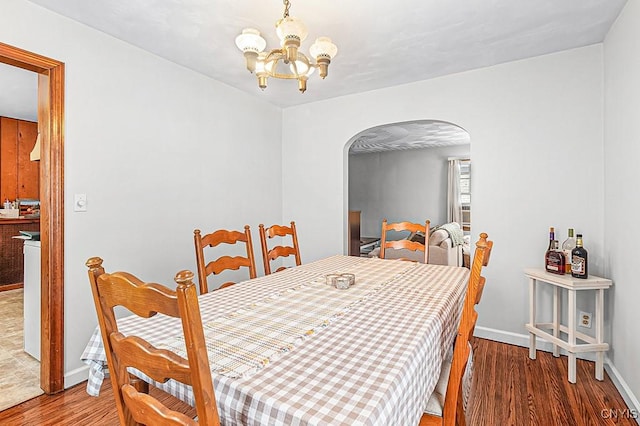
<point>32,298</point>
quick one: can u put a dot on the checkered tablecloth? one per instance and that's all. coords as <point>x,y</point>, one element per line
<point>374,363</point>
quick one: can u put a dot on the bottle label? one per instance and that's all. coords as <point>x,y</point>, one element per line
<point>554,262</point>
<point>578,265</point>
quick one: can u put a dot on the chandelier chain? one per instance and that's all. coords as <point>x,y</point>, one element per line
<point>287,5</point>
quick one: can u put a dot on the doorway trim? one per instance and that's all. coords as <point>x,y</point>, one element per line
<point>51,127</point>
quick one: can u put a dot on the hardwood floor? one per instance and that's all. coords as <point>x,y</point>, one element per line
<point>75,407</point>
<point>510,389</point>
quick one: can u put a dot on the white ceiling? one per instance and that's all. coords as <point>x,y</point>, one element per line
<point>18,93</point>
<point>409,135</point>
<point>381,43</point>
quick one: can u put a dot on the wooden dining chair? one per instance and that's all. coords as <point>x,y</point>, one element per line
<point>271,254</point>
<point>447,403</point>
<point>406,244</point>
<point>222,263</point>
<point>135,406</point>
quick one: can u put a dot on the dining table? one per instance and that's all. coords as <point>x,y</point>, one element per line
<point>292,349</point>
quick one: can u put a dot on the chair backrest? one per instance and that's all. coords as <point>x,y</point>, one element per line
<point>222,263</point>
<point>270,254</point>
<point>405,243</point>
<point>468,319</point>
<point>134,404</point>
<point>487,252</point>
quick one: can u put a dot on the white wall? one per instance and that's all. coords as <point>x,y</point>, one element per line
<point>401,185</point>
<point>536,129</point>
<point>158,149</point>
<point>621,153</point>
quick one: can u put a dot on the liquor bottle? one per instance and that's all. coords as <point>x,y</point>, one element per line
<point>552,236</point>
<point>554,259</point>
<point>579,261</point>
<point>567,246</point>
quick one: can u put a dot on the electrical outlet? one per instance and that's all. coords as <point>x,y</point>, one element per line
<point>585,319</point>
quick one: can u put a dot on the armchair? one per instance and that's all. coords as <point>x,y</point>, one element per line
<point>442,250</point>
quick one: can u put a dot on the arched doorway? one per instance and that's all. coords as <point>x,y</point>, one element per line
<point>400,171</point>
<point>51,126</point>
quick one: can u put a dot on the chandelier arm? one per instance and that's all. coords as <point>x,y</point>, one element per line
<point>277,55</point>
<point>294,66</point>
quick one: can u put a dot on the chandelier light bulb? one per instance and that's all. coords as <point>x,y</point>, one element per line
<point>260,64</point>
<point>251,44</point>
<point>300,68</point>
<point>291,27</point>
<point>323,46</point>
<point>250,39</point>
<point>311,70</point>
<point>291,32</point>
<point>323,50</point>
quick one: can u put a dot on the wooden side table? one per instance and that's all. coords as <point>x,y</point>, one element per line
<point>571,345</point>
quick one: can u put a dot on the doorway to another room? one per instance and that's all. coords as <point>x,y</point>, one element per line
<point>410,171</point>
<point>50,75</point>
<point>19,237</point>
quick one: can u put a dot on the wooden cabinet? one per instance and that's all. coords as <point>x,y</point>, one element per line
<point>354,233</point>
<point>11,254</point>
<point>19,176</point>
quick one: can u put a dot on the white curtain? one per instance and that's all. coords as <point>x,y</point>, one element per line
<point>454,206</point>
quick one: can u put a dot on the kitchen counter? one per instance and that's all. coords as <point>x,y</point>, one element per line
<point>18,220</point>
<point>11,255</point>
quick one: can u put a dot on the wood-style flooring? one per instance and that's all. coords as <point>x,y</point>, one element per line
<point>510,389</point>
<point>75,407</point>
<point>19,371</point>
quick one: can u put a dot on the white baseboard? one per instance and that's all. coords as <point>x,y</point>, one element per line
<point>73,377</point>
<point>623,388</point>
<point>523,340</point>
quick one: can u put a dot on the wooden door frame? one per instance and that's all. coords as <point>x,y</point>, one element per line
<point>51,126</point>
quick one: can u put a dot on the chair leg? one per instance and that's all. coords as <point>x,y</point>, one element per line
<point>460,417</point>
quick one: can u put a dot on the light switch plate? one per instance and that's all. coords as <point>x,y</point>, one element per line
<point>80,203</point>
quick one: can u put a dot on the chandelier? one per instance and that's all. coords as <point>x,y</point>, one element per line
<point>288,62</point>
